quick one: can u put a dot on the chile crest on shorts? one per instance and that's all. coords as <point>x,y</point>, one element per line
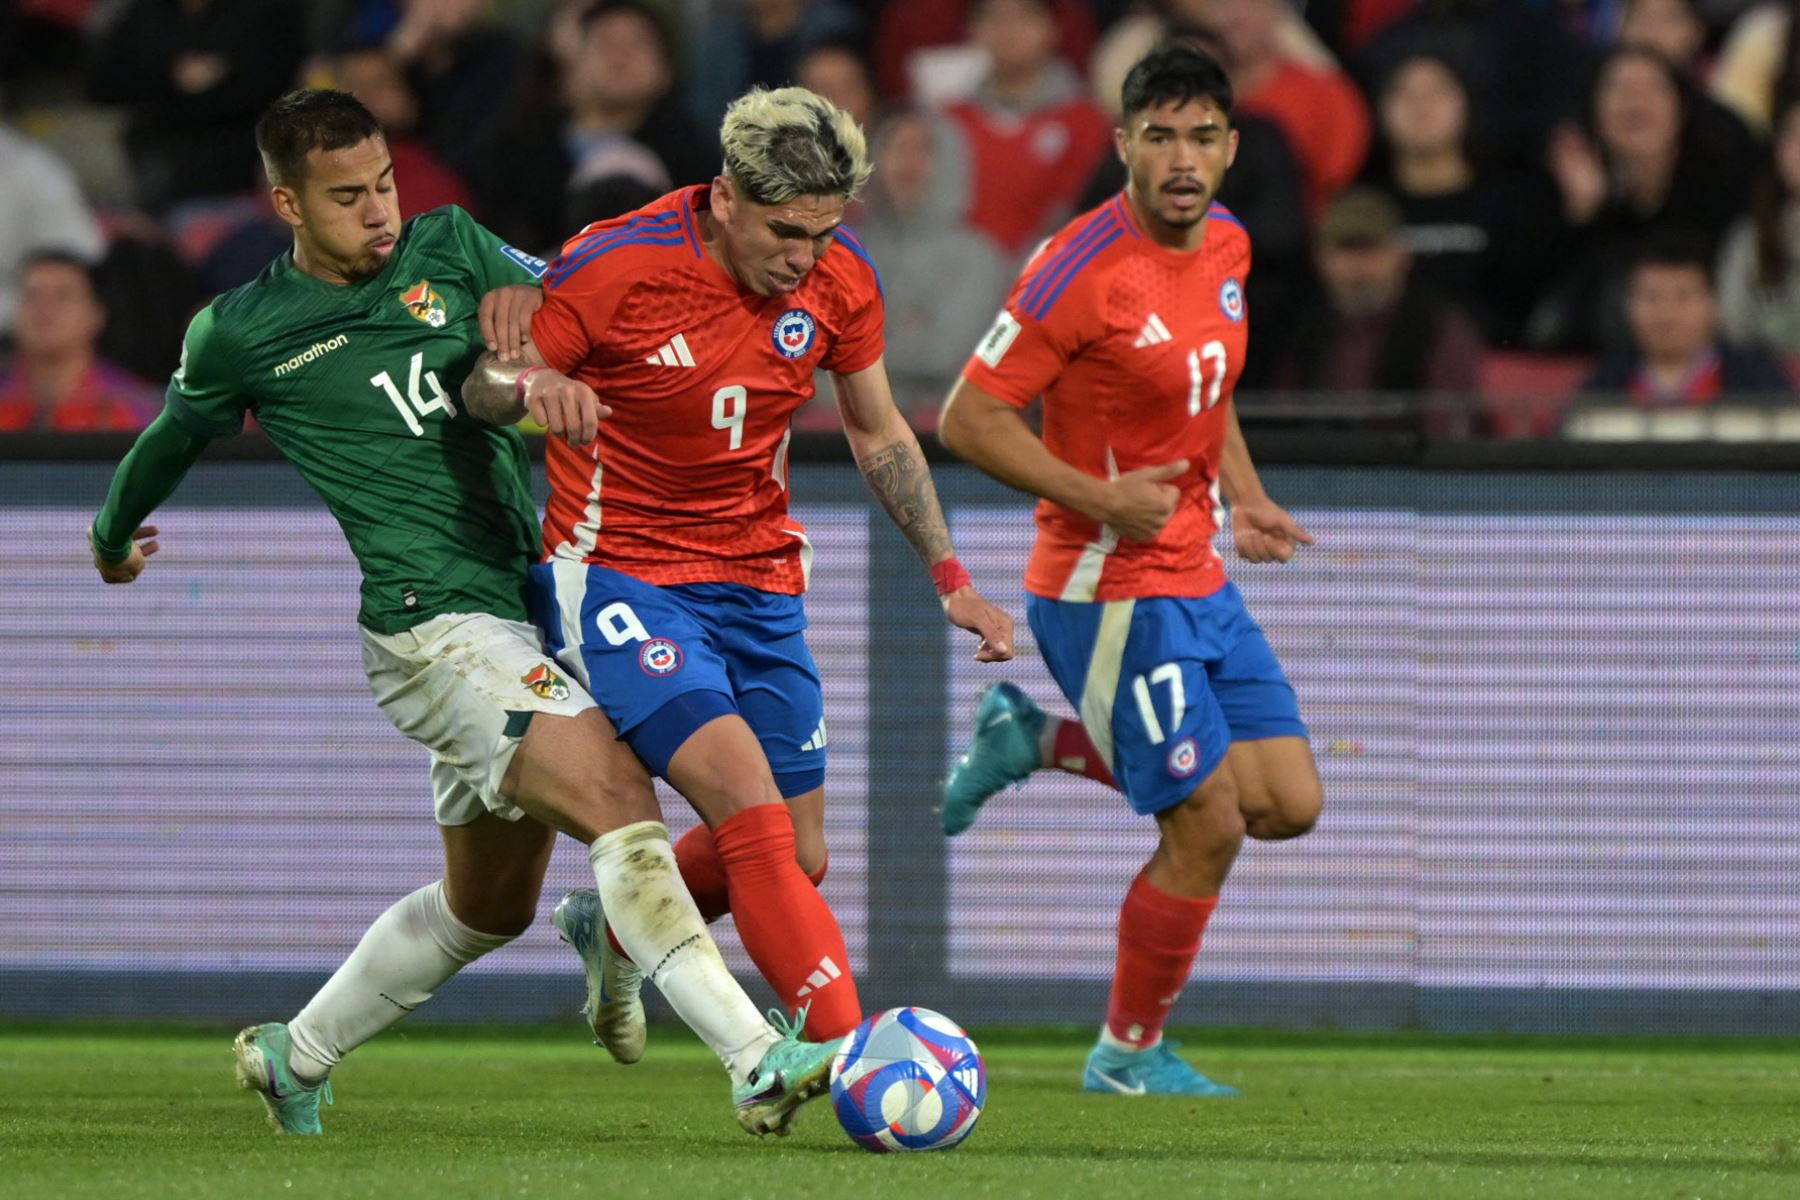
<point>794,332</point>
<point>660,656</point>
<point>1184,758</point>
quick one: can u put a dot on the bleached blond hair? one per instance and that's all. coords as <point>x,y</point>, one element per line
<point>791,142</point>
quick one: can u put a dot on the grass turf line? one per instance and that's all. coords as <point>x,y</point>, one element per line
<point>448,1113</point>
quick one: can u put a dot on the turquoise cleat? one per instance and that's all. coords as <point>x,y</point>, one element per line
<point>1004,750</point>
<point>1157,1071</point>
<point>614,1007</point>
<point>790,1074</point>
<point>262,1066</point>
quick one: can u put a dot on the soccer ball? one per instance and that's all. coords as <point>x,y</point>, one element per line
<point>908,1079</point>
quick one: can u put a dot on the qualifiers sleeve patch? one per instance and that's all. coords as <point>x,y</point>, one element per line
<point>530,262</point>
<point>999,339</point>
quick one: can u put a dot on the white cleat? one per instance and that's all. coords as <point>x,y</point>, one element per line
<point>615,1003</point>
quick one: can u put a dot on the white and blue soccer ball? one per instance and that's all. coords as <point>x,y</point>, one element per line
<point>908,1079</point>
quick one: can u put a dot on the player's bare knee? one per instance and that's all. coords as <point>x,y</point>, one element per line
<point>809,852</point>
<point>497,909</point>
<point>1290,816</point>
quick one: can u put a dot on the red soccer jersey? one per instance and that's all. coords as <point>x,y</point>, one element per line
<point>1136,349</point>
<point>687,481</point>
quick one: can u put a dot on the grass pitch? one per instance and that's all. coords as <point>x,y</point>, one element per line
<point>437,1113</point>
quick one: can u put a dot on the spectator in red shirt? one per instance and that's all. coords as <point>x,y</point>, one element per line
<point>56,381</point>
<point>1677,355</point>
<point>908,27</point>
<point>1320,110</point>
<point>1031,133</point>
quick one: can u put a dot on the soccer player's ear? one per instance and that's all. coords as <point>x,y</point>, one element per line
<point>1119,139</point>
<point>721,199</point>
<point>287,204</point>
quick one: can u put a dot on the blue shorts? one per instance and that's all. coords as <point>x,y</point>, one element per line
<point>663,661</point>
<point>1164,685</point>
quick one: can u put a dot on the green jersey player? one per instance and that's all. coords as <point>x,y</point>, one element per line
<point>350,351</point>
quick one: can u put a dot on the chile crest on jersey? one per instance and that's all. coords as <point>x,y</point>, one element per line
<point>794,333</point>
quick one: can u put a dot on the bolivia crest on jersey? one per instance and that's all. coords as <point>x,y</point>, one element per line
<point>425,304</point>
<point>545,684</point>
<point>794,333</point>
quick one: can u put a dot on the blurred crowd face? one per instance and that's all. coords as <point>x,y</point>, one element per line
<point>1637,109</point>
<point>1670,27</point>
<point>1424,110</point>
<point>1672,312</point>
<point>903,161</point>
<point>770,248</point>
<point>839,76</point>
<point>1364,278</point>
<point>619,62</point>
<point>1176,156</point>
<point>443,18</point>
<point>1787,151</point>
<point>373,77</point>
<point>1246,27</point>
<point>59,315</point>
<point>1020,36</point>
<point>345,210</point>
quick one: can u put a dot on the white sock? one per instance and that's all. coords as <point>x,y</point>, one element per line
<point>654,918</point>
<point>1112,1042</point>
<point>403,959</point>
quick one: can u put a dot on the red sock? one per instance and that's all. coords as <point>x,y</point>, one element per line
<point>1159,935</point>
<point>1073,751</point>
<point>786,925</point>
<point>703,872</point>
<point>698,857</point>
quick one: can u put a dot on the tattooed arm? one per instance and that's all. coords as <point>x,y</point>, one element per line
<point>887,452</point>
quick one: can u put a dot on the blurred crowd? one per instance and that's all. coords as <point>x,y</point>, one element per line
<point>1447,197</point>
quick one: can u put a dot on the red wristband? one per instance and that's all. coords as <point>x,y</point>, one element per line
<point>949,576</point>
<point>519,383</point>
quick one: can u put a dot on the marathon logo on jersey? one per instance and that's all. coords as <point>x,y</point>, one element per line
<point>530,262</point>
<point>316,350</point>
<point>999,339</point>
<point>545,684</point>
<point>794,333</point>
<point>425,304</point>
<point>1184,758</point>
<point>1231,299</point>
<point>660,656</point>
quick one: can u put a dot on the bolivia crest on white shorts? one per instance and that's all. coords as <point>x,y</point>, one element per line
<point>1183,758</point>
<point>660,656</point>
<point>794,333</point>
<point>545,684</point>
<point>1231,299</point>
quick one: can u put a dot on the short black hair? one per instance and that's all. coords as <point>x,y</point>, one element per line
<point>306,120</point>
<point>63,258</point>
<point>1175,74</point>
<point>1674,248</point>
<point>606,8</point>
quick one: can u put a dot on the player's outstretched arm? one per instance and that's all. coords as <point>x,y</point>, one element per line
<point>888,454</point>
<point>503,393</point>
<point>1260,528</point>
<point>990,433</point>
<point>160,458</point>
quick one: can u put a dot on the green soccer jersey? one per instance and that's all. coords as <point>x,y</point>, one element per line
<point>360,386</point>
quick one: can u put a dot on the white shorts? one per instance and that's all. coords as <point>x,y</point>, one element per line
<point>465,686</point>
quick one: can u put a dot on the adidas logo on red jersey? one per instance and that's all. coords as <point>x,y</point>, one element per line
<point>1154,333</point>
<point>672,353</point>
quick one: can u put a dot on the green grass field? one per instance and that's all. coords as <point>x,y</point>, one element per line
<point>438,1113</point>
